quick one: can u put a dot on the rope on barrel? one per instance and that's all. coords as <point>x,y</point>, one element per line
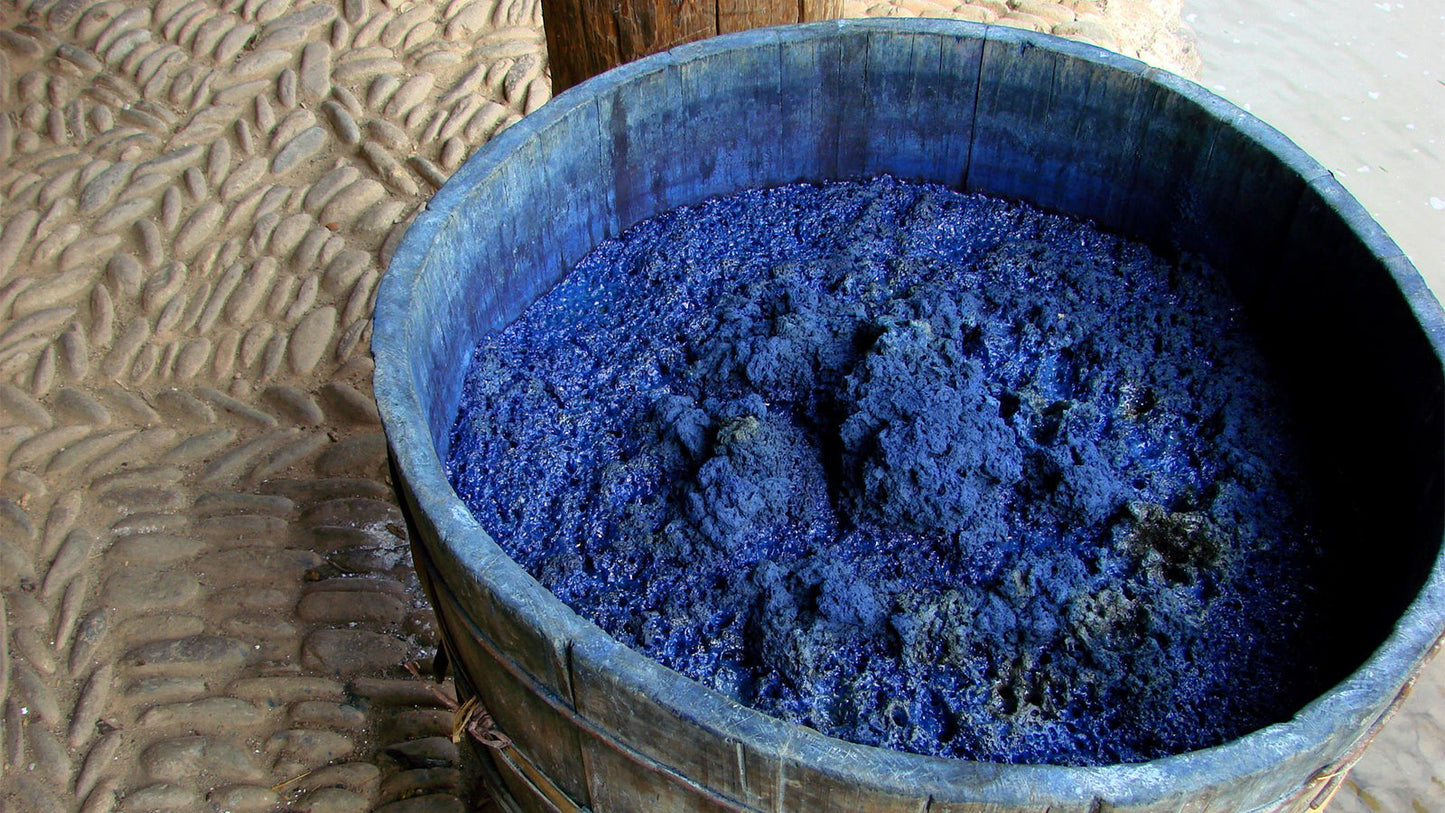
<point>470,717</point>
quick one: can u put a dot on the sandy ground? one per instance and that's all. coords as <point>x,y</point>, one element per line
<point>1360,85</point>
<point>207,597</point>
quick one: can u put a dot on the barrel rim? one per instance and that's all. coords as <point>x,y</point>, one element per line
<point>1354,702</point>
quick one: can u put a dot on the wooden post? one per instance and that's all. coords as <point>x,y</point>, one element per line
<point>586,37</point>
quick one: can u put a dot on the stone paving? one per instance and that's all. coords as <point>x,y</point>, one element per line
<point>206,601</point>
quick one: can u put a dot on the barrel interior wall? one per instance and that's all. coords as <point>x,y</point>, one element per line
<point>1367,383</point>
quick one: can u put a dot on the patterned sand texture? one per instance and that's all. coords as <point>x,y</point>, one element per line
<point>205,578</point>
<point>206,600</point>
<point>1146,30</point>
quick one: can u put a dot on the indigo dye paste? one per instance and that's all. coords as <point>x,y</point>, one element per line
<point>936,472</point>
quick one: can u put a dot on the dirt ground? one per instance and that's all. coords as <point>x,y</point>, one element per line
<point>207,597</point>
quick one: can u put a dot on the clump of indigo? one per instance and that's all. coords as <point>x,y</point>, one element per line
<point>931,471</point>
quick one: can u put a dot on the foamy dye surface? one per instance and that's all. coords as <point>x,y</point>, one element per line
<point>936,472</point>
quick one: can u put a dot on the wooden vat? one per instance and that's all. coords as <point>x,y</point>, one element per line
<point>1066,126</point>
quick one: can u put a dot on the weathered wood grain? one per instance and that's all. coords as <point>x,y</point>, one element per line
<point>586,37</point>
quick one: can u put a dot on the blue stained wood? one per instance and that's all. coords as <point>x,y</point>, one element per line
<point>1063,125</point>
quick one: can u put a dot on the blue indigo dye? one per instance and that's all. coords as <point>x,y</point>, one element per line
<point>930,471</point>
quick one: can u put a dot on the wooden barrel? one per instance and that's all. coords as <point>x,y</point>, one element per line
<point>597,726</point>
